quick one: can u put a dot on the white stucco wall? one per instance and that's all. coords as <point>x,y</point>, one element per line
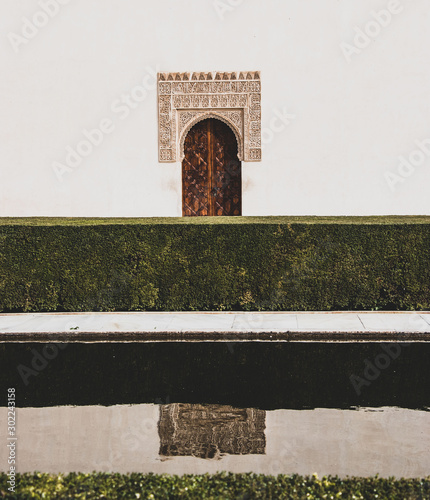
<point>357,109</point>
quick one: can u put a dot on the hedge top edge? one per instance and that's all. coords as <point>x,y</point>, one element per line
<point>91,221</point>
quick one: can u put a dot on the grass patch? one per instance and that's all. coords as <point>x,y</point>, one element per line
<point>95,221</point>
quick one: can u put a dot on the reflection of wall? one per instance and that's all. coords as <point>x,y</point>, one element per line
<point>207,431</point>
<point>388,441</point>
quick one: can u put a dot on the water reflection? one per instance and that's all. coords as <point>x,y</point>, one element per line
<point>208,438</point>
<point>210,431</point>
<point>203,407</point>
<point>249,375</point>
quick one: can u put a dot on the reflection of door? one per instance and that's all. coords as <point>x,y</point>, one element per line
<point>209,431</point>
<point>211,171</point>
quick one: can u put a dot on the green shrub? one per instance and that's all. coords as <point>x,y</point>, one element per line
<point>218,486</point>
<point>220,263</point>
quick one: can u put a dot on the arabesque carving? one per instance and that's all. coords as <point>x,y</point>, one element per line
<point>186,98</point>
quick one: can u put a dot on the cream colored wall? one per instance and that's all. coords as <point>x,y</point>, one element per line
<point>353,105</point>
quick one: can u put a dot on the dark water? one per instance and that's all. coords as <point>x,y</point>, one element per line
<point>203,407</point>
<point>243,374</point>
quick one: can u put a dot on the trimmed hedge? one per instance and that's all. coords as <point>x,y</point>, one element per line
<point>221,485</point>
<point>220,263</point>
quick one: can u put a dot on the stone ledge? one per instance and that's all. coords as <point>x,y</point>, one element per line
<point>216,327</point>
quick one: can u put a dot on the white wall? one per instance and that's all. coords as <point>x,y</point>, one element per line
<point>354,115</point>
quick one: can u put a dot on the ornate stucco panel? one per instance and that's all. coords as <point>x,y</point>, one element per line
<point>184,99</point>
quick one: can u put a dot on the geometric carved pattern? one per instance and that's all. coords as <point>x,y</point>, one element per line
<point>211,431</point>
<point>187,98</point>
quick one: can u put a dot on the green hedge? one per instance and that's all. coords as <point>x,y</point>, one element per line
<point>220,263</point>
<point>218,486</point>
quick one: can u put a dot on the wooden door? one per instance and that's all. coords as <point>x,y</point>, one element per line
<point>211,171</point>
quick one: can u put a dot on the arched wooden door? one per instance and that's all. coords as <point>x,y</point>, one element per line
<point>211,171</point>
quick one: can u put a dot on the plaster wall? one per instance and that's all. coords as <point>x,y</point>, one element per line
<point>345,96</point>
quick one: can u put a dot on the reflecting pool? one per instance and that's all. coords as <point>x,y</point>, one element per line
<point>340,409</point>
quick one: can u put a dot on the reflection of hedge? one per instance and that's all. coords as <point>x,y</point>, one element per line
<point>221,485</point>
<point>215,264</point>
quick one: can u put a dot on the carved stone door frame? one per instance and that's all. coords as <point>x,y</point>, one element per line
<point>185,99</point>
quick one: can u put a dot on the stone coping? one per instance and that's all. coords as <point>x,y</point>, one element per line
<point>343,326</point>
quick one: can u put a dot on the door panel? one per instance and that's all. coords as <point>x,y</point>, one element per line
<point>195,173</point>
<point>211,171</point>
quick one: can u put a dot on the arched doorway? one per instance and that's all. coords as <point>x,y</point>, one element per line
<point>211,171</point>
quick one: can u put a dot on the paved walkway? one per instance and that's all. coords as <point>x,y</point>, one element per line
<point>216,326</point>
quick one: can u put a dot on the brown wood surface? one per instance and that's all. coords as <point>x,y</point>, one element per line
<point>211,171</point>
